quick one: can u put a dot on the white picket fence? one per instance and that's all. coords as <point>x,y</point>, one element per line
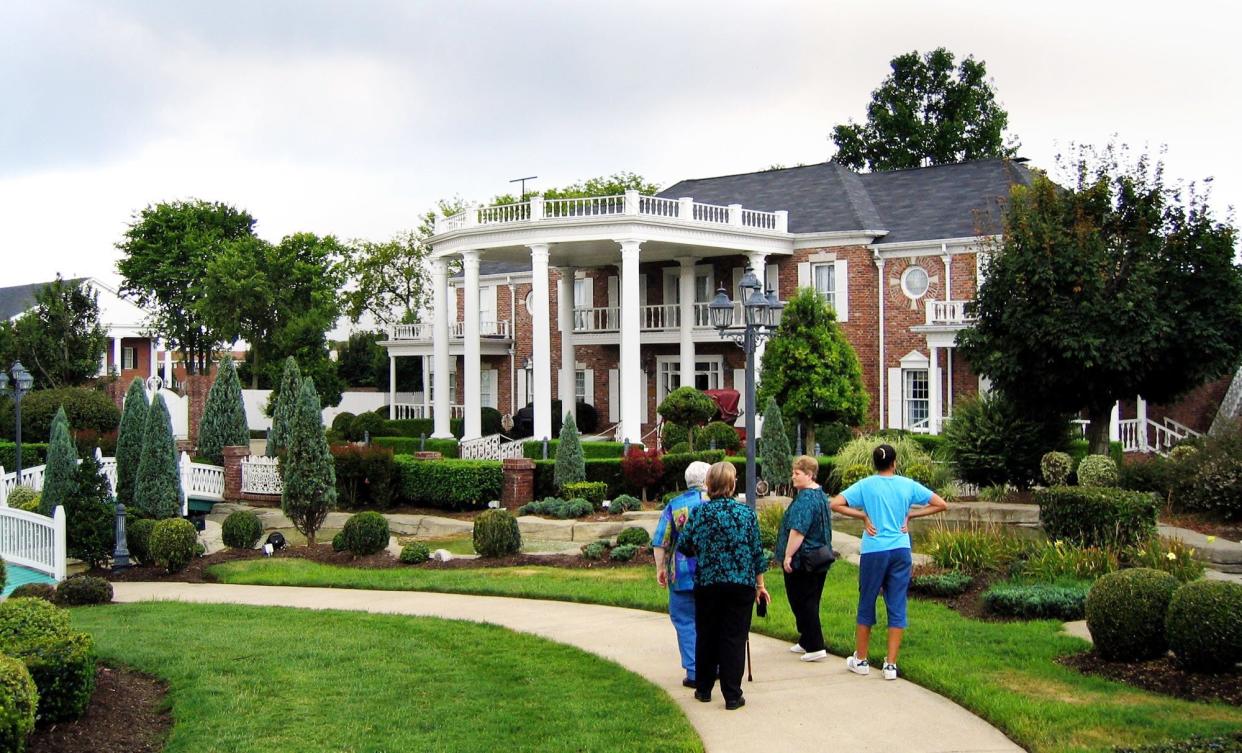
<point>34,541</point>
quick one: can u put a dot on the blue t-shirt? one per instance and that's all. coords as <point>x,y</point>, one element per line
<point>886,500</point>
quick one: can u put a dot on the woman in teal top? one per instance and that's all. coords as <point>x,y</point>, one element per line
<point>723,536</point>
<point>805,527</point>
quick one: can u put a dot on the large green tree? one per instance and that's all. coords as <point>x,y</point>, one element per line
<point>224,415</point>
<point>810,369</point>
<point>60,339</point>
<point>1117,286</point>
<point>129,441</point>
<point>157,489</point>
<point>61,467</point>
<point>928,111</point>
<point>308,471</point>
<point>166,253</point>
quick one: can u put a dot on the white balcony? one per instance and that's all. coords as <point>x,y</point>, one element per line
<point>948,314</point>
<point>497,330</point>
<point>405,411</point>
<point>657,318</point>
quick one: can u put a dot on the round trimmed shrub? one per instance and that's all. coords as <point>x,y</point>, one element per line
<point>366,425</point>
<point>415,553</point>
<point>853,475</point>
<point>18,699</point>
<point>341,423</point>
<point>1097,470</point>
<point>44,591</point>
<point>81,590</point>
<point>241,530</point>
<point>634,536</point>
<point>63,670</point>
<point>624,503</point>
<point>138,539</point>
<point>1056,468</point>
<point>26,619</point>
<point>365,533</point>
<point>496,534</point>
<point>173,543</point>
<point>717,436</point>
<point>1203,625</point>
<point>1125,613</point>
<point>596,550</point>
<point>920,472</point>
<point>623,552</point>
<point>338,542</point>
<point>21,495</point>
<point>680,447</point>
<point>577,508</point>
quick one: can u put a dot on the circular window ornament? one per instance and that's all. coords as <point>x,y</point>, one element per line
<point>530,298</point>
<point>914,282</point>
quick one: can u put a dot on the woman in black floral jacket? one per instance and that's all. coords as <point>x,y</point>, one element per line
<point>723,534</point>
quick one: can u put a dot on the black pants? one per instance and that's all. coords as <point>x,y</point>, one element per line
<point>722,622</point>
<point>804,591</point>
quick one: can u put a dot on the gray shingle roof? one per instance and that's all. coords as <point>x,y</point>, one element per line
<point>18,299</point>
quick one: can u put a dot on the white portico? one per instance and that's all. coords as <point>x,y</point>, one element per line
<point>572,234</point>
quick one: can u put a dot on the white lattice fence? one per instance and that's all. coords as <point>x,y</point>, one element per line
<point>483,448</point>
<point>260,475</point>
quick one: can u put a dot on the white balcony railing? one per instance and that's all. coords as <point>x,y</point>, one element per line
<point>404,411</point>
<point>948,314</point>
<point>457,330</point>
<point>630,203</point>
<point>660,317</point>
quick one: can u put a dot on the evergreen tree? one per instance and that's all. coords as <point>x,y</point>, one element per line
<point>129,441</point>
<point>89,514</point>
<point>811,369</point>
<point>284,407</point>
<point>157,490</point>
<point>62,464</point>
<point>224,415</point>
<point>775,455</point>
<point>570,467</point>
<point>309,471</point>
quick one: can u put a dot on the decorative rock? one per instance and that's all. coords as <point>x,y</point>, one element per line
<point>442,555</point>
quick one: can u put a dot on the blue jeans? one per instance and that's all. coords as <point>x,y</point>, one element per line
<point>681,610</point>
<point>890,569</point>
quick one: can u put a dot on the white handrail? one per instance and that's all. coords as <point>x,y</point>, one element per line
<point>948,313</point>
<point>35,541</point>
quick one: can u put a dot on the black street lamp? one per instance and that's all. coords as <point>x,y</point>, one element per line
<point>761,314</point>
<point>22,382</point>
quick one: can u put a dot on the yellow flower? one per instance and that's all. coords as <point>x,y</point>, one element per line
<point>1171,556</point>
<point>1210,539</point>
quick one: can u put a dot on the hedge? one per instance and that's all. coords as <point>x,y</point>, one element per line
<point>1079,449</point>
<point>33,453</point>
<point>590,450</point>
<point>410,445</point>
<point>1097,516</point>
<point>366,477</point>
<point>449,484</point>
<point>415,427</point>
<point>85,407</point>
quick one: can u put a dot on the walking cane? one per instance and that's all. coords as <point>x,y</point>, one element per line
<point>749,677</point>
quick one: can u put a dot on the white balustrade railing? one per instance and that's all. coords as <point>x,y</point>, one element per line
<point>35,541</point>
<point>261,475</point>
<point>1145,435</point>
<point>658,206</point>
<point>652,318</point>
<point>591,206</point>
<point>760,220</point>
<point>713,213</point>
<point>598,319</point>
<point>404,411</point>
<point>504,213</point>
<point>482,448</point>
<point>457,330</point>
<point>948,313</point>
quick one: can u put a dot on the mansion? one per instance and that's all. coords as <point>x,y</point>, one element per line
<point>604,300</point>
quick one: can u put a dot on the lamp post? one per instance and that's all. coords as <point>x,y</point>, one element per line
<point>761,314</point>
<point>22,382</point>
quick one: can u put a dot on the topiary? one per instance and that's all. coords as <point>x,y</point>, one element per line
<point>341,423</point>
<point>1203,626</point>
<point>172,544</point>
<point>157,487</point>
<point>18,700</point>
<point>61,467</point>
<point>45,591</point>
<point>635,536</point>
<point>1056,468</point>
<point>90,514</point>
<point>623,552</point>
<point>308,490</point>
<point>138,540</point>
<point>595,550</point>
<point>1125,613</point>
<point>591,491</point>
<point>496,534</point>
<point>687,407</point>
<point>365,533</point>
<point>338,542</point>
<point>624,503</point>
<point>415,553</point>
<point>81,590</point>
<point>853,474</point>
<point>680,448</point>
<point>63,670</point>
<point>1097,470</point>
<point>129,441</point>
<point>241,530</point>
<point>366,425</point>
<point>717,436</point>
<point>26,619</point>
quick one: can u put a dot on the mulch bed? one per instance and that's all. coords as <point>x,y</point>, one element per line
<point>1161,676</point>
<point>968,603</point>
<point>128,712</point>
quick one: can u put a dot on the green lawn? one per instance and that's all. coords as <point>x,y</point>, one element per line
<point>272,679</point>
<point>1004,672</point>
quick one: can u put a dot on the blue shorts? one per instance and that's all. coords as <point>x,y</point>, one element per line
<point>891,570</point>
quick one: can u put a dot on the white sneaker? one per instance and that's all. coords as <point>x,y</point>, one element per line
<point>890,670</point>
<point>814,655</point>
<point>857,666</point>
<point>797,649</point>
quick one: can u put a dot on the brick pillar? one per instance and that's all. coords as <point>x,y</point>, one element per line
<point>232,471</point>
<point>518,484</point>
<point>196,388</point>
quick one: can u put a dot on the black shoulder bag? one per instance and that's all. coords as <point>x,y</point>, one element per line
<point>819,559</point>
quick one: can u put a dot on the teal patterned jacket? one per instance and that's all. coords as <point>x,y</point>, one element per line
<point>723,537</point>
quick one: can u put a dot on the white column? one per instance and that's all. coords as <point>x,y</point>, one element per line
<point>116,353</point>
<point>934,387</point>
<point>1140,407</point>
<point>167,364</point>
<point>685,288</point>
<point>472,382</point>
<point>440,348</point>
<point>103,362</point>
<point>392,387</point>
<point>541,341</point>
<point>630,367</point>
<point>427,361</point>
<point>948,275</point>
<point>151,356</point>
<point>565,317</point>
<point>758,262</point>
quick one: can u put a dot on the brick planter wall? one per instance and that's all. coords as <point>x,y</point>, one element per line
<point>518,484</point>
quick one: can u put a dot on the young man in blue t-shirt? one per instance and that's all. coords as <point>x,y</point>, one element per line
<point>886,502</point>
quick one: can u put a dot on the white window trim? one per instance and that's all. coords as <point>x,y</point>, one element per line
<point>675,361</point>
<point>905,288</point>
<point>129,358</point>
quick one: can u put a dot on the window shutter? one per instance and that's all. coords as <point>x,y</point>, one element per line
<point>520,398</point>
<point>642,375</point>
<point>843,290</point>
<point>614,406</point>
<point>614,291</point>
<point>493,391</point>
<point>739,384</point>
<point>588,376</point>
<point>588,293</point>
<point>642,292</point>
<point>895,412</point>
<point>804,274</point>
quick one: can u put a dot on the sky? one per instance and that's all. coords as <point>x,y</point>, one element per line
<point>354,118</point>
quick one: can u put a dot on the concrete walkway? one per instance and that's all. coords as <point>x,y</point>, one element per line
<point>791,705</point>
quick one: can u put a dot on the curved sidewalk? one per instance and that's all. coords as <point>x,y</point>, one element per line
<point>791,705</point>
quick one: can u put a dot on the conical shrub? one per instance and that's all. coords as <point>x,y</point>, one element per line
<point>309,473</point>
<point>129,441</point>
<point>224,415</point>
<point>89,515</point>
<point>157,490</point>
<point>775,456</point>
<point>570,467</point>
<point>62,465</point>
<point>285,407</point>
